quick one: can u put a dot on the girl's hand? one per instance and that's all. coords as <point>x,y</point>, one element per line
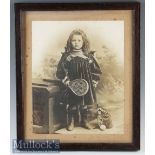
<point>95,83</point>
<point>66,81</point>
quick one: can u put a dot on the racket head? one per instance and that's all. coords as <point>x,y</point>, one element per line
<point>79,87</point>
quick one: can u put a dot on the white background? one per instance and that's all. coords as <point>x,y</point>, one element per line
<point>6,99</point>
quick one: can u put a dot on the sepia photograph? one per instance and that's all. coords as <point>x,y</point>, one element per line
<point>82,65</point>
<point>78,73</point>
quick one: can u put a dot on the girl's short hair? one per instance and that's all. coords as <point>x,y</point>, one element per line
<point>85,46</point>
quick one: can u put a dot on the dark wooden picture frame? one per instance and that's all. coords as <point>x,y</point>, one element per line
<point>135,6</point>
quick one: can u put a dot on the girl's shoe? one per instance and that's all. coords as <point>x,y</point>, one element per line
<point>87,125</point>
<point>70,126</point>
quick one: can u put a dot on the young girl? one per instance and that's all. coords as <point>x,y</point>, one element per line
<point>78,62</point>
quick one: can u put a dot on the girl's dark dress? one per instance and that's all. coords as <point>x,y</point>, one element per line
<point>75,68</point>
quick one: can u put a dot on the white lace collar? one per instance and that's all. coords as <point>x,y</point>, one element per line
<point>78,53</point>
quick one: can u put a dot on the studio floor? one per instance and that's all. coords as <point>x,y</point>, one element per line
<point>116,129</point>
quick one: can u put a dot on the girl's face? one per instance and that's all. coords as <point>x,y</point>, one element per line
<point>77,42</point>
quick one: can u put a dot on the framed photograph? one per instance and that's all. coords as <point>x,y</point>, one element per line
<point>78,75</point>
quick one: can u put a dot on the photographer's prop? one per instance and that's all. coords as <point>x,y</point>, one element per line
<point>104,119</point>
<point>48,114</point>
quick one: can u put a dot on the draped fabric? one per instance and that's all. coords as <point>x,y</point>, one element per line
<point>76,67</point>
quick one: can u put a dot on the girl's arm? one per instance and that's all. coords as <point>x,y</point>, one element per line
<point>95,70</point>
<point>62,72</point>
